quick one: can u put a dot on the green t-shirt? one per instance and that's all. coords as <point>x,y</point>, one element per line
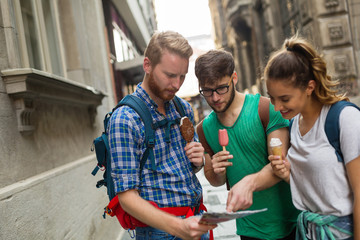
<point>247,143</point>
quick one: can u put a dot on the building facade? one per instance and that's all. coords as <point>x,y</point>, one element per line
<point>252,29</point>
<point>130,25</point>
<point>64,64</point>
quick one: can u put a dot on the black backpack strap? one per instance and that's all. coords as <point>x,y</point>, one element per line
<point>332,126</point>
<point>139,106</point>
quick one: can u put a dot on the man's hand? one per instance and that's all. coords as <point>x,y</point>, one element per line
<point>220,162</point>
<point>195,152</point>
<point>145,212</point>
<point>191,229</point>
<point>240,196</point>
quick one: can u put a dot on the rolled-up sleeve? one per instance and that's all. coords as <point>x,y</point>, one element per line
<point>125,141</point>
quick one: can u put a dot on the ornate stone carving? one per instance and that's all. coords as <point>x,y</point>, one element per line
<point>341,63</point>
<point>24,112</point>
<point>336,31</point>
<point>331,3</point>
<point>326,7</point>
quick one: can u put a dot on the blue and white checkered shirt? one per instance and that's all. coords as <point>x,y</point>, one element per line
<point>174,182</point>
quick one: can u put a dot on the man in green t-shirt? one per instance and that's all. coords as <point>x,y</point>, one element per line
<point>244,164</point>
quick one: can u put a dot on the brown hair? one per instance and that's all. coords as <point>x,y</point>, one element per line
<point>297,62</point>
<point>170,41</point>
<point>214,65</point>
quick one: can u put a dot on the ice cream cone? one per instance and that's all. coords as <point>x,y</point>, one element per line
<point>277,151</point>
<point>276,147</point>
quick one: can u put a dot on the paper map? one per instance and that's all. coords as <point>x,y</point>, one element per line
<point>217,217</point>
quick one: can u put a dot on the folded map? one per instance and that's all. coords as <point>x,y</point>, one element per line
<point>217,217</point>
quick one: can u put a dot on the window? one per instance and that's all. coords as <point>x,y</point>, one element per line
<point>39,35</point>
<point>118,46</point>
<point>124,48</point>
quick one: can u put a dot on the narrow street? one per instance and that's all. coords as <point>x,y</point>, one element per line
<point>215,201</point>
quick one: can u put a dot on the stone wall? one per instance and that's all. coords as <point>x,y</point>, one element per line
<point>259,27</point>
<point>62,203</point>
<point>47,124</point>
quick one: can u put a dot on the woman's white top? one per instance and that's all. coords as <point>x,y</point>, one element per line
<point>318,181</point>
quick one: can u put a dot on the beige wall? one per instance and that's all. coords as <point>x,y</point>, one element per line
<point>62,203</point>
<point>46,187</point>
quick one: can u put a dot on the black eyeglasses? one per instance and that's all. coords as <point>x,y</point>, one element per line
<point>219,90</point>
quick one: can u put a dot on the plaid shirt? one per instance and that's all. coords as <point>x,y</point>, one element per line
<point>174,182</point>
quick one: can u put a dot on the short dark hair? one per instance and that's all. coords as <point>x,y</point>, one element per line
<point>213,66</point>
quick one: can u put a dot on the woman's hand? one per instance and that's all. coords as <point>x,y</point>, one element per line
<point>281,168</point>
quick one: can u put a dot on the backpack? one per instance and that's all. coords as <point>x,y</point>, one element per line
<point>101,144</point>
<point>263,111</point>
<point>332,126</point>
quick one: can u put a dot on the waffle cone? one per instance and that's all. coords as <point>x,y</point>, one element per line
<point>277,151</point>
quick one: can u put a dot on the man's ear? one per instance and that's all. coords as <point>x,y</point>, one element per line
<point>147,65</point>
<point>310,87</point>
<point>235,78</point>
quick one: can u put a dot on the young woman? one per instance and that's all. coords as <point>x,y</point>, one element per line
<point>326,190</point>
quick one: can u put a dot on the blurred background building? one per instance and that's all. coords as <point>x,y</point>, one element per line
<point>252,29</point>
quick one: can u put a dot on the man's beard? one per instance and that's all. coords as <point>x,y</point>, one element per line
<point>156,89</point>
<point>229,102</point>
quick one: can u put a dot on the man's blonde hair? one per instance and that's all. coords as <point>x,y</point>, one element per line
<point>171,41</point>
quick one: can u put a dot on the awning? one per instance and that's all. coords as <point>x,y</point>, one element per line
<point>132,70</point>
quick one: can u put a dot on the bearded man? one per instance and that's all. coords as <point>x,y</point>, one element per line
<point>158,197</point>
<point>244,165</point>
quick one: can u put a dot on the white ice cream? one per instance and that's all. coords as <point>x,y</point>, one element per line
<point>274,142</point>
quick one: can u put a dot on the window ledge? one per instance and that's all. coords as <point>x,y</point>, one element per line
<point>26,85</point>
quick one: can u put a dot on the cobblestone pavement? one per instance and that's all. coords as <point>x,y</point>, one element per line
<point>215,201</point>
